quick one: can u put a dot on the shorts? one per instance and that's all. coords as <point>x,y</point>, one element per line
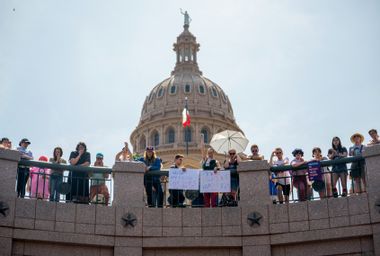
<point>285,188</point>
<point>357,169</point>
<point>318,185</point>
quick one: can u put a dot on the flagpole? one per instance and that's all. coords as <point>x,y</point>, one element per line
<point>186,131</point>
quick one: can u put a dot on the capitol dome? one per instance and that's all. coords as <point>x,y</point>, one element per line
<point>160,122</point>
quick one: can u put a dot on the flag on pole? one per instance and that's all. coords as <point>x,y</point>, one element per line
<point>185,117</point>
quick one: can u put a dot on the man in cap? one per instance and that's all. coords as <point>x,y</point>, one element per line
<point>23,172</point>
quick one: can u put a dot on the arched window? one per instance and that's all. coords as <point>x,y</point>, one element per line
<point>187,135</point>
<point>155,139</point>
<point>142,143</point>
<point>187,88</point>
<point>201,89</point>
<point>170,135</point>
<point>206,135</point>
<point>214,92</point>
<point>160,92</point>
<point>173,89</point>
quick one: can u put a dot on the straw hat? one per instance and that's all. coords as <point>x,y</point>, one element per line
<point>357,134</point>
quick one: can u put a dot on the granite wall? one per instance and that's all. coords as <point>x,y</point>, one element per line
<point>336,226</point>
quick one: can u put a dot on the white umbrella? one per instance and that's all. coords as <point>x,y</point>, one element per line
<point>224,141</point>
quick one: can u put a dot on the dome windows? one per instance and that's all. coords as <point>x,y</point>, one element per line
<point>173,89</point>
<point>206,135</point>
<point>187,135</point>
<point>187,88</point>
<point>170,136</point>
<point>151,97</point>
<point>201,89</point>
<point>155,139</point>
<point>214,92</point>
<point>160,92</point>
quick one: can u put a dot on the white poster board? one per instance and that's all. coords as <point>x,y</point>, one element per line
<point>215,182</point>
<point>179,179</point>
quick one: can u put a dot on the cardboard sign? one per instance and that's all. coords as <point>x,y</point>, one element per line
<point>179,179</point>
<point>215,182</point>
<point>314,170</point>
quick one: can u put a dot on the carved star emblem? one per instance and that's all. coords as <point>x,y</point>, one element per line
<point>254,218</point>
<point>4,209</point>
<point>129,219</point>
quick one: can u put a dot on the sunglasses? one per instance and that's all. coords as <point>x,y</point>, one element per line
<point>231,154</point>
<point>279,152</point>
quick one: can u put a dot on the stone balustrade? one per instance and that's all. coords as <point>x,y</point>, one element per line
<point>348,225</point>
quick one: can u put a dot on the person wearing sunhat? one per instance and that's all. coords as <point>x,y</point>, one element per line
<point>23,172</point>
<point>152,183</point>
<point>357,168</point>
<point>375,137</point>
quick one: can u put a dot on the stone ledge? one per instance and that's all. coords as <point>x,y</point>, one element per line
<point>9,155</point>
<point>132,167</point>
<point>72,238</point>
<point>322,234</point>
<point>252,166</point>
<point>191,242</point>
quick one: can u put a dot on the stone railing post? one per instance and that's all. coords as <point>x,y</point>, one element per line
<point>372,160</point>
<point>254,180</point>
<point>8,170</point>
<point>254,203</point>
<point>128,184</point>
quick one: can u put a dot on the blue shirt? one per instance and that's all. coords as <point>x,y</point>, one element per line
<point>24,152</point>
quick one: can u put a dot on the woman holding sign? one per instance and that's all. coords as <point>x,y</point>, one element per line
<point>209,163</point>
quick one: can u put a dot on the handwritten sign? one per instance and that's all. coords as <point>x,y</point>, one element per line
<point>215,182</point>
<point>314,170</point>
<point>188,179</point>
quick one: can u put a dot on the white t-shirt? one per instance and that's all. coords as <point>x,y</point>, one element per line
<point>280,175</point>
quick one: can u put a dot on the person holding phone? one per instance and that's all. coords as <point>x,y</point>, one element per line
<point>79,180</point>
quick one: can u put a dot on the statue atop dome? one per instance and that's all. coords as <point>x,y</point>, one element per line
<point>187,18</point>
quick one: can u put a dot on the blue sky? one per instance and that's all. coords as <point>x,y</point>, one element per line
<point>297,72</point>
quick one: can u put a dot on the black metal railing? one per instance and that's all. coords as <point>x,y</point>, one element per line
<point>340,177</point>
<point>64,183</point>
<point>158,194</point>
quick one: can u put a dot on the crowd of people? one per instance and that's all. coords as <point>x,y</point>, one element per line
<point>85,187</point>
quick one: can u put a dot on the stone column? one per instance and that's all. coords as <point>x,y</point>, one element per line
<point>128,184</point>
<point>372,160</point>
<point>254,180</point>
<point>8,169</point>
<point>254,202</point>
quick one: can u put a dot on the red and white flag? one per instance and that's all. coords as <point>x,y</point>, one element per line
<point>185,117</point>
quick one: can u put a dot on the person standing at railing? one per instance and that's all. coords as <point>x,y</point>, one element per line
<point>209,163</point>
<point>5,143</point>
<point>375,137</point>
<point>300,180</point>
<point>358,168</point>
<point>231,164</point>
<point>78,179</point>
<point>176,197</point>
<point>125,154</point>
<point>283,177</point>
<point>152,183</point>
<point>38,184</point>
<point>339,170</point>
<point>98,190</point>
<point>322,184</point>
<point>255,153</point>
<point>56,176</point>
<point>23,172</point>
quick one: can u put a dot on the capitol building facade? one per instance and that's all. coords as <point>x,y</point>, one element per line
<point>160,122</point>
